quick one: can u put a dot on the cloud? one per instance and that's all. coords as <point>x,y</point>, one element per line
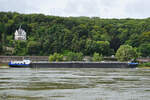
<point>82,8</point>
<point>7,5</point>
<point>99,8</point>
<point>139,9</point>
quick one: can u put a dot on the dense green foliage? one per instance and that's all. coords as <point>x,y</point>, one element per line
<point>33,48</point>
<point>19,48</point>
<point>56,57</point>
<point>126,53</point>
<point>145,64</point>
<point>49,34</point>
<point>0,48</point>
<point>97,57</point>
<point>145,49</point>
<point>71,56</point>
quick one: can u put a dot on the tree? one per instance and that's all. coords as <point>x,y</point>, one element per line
<point>144,49</point>
<point>97,57</point>
<point>133,40</point>
<point>2,33</point>
<point>102,47</point>
<point>126,53</point>
<point>19,48</point>
<point>144,37</point>
<point>56,57</point>
<point>1,48</point>
<point>33,48</point>
<point>71,56</point>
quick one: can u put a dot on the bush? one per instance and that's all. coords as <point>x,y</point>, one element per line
<point>71,56</point>
<point>56,57</point>
<point>126,53</point>
<point>97,57</point>
<point>145,64</point>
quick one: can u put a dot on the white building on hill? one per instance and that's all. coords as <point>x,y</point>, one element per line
<point>20,34</point>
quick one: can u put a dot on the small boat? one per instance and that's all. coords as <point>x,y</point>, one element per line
<point>24,63</point>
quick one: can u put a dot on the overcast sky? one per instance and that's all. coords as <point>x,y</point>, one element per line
<point>91,8</point>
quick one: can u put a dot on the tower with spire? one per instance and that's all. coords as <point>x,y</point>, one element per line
<point>20,34</point>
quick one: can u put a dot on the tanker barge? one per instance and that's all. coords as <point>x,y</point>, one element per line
<point>29,64</point>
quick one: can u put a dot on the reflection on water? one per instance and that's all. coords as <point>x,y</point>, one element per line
<point>74,84</point>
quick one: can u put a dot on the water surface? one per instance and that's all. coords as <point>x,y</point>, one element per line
<point>74,84</point>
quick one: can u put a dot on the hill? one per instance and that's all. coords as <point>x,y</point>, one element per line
<point>49,34</point>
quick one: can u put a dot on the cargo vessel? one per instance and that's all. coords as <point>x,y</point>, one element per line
<point>24,63</point>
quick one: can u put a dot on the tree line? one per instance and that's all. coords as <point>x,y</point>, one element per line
<point>87,35</point>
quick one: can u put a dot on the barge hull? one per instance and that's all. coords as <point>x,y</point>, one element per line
<point>81,65</point>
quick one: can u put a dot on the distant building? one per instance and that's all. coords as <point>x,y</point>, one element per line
<point>20,34</point>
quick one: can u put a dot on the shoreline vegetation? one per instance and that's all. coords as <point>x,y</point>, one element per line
<point>144,65</point>
<point>4,65</point>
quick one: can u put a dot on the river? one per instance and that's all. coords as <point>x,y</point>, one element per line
<point>74,84</point>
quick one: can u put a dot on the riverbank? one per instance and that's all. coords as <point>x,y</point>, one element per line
<point>144,65</point>
<point>45,58</point>
<point>4,65</point>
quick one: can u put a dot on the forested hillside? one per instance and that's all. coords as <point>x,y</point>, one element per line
<point>49,34</point>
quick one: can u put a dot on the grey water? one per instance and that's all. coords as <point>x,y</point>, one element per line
<point>74,84</point>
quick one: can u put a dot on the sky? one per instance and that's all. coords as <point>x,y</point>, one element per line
<point>90,8</point>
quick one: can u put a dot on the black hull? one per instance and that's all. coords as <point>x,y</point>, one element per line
<point>81,65</point>
<point>18,66</point>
